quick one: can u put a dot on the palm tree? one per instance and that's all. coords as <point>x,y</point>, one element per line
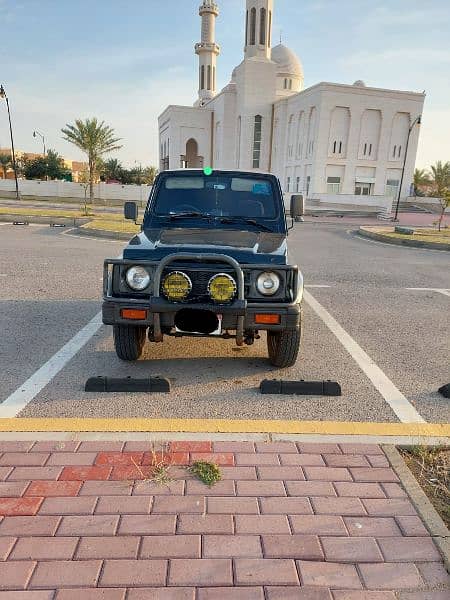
<point>441,177</point>
<point>112,169</point>
<point>421,178</point>
<point>149,175</point>
<point>93,138</point>
<point>5,162</point>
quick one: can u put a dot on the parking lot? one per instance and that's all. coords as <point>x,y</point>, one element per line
<point>362,318</point>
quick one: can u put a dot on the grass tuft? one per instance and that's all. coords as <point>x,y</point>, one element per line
<point>207,472</point>
<point>431,467</point>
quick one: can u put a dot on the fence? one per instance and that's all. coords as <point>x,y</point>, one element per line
<point>68,190</point>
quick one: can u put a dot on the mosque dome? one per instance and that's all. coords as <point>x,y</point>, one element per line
<point>287,61</point>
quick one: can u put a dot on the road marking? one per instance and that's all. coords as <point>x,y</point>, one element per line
<point>224,426</point>
<point>444,291</point>
<point>317,286</point>
<point>24,394</point>
<point>393,396</point>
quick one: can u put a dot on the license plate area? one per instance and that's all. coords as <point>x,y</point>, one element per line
<point>188,329</point>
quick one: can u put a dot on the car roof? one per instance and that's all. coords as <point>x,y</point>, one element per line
<point>222,171</point>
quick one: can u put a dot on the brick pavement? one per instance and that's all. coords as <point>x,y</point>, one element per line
<point>84,521</point>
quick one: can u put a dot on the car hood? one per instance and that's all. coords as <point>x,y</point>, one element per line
<point>244,246</point>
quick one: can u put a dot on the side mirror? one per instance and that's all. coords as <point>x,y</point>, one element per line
<point>130,211</point>
<point>297,207</point>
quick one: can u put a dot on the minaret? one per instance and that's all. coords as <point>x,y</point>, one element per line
<point>258,28</point>
<point>207,51</point>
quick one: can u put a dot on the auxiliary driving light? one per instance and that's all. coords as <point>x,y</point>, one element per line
<point>268,283</point>
<point>177,286</point>
<point>222,288</point>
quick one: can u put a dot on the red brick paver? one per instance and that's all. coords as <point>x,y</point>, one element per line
<point>288,521</point>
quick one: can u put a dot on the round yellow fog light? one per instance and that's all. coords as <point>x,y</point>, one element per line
<point>222,288</point>
<point>177,286</point>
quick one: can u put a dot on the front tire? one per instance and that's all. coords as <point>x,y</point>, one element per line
<point>129,341</point>
<point>283,347</point>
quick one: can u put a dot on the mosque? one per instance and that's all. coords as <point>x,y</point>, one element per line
<point>330,140</point>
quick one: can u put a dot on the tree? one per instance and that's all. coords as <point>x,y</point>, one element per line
<point>95,139</point>
<point>421,178</point>
<point>35,168</point>
<point>440,177</point>
<point>111,169</point>
<point>50,166</point>
<point>84,179</point>
<point>445,203</point>
<point>5,163</point>
<point>149,175</point>
<point>56,168</point>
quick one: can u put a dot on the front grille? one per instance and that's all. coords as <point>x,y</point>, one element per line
<point>200,279</point>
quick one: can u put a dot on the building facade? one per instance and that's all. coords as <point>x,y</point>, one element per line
<point>329,141</point>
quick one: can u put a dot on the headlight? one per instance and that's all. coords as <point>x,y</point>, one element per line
<point>268,283</point>
<point>137,278</point>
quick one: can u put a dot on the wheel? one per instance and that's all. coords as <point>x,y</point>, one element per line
<point>129,341</point>
<point>283,347</point>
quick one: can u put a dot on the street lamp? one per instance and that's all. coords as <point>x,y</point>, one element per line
<point>41,135</point>
<point>3,95</point>
<point>416,121</point>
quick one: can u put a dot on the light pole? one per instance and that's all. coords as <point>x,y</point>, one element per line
<point>416,121</point>
<point>3,95</point>
<point>41,135</point>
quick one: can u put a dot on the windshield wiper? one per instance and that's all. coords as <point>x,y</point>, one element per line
<point>244,220</point>
<point>187,215</point>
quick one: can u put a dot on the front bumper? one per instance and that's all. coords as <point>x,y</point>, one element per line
<point>238,315</point>
<point>289,313</point>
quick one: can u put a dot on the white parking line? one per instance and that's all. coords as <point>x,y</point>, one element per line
<point>393,396</point>
<point>317,286</point>
<point>444,291</point>
<point>24,394</point>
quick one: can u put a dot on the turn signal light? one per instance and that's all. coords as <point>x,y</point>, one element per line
<point>134,314</point>
<point>264,319</point>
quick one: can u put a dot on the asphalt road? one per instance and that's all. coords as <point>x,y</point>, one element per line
<point>50,287</point>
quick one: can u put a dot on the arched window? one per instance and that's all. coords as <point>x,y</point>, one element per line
<point>270,29</point>
<point>202,77</point>
<point>209,77</point>
<point>238,144</point>
<point>395,150</point>
<point>253,27</point>
<point>262,27</point>
<point>257,141</point>
<point>246,28</point>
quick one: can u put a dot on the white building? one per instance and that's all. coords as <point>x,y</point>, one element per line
<point>330,141</point>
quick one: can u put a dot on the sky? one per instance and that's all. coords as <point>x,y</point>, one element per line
<point>124,61</point>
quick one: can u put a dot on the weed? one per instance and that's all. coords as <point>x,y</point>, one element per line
<point>207,472</point>
<point>158,472</point>
<point>431,466</point>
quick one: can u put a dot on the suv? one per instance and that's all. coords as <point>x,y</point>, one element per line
<point>211,260</point>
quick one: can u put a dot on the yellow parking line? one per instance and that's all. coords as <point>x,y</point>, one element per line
<point>226,426</point>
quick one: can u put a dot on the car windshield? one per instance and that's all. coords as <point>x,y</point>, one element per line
<point>219,196</point>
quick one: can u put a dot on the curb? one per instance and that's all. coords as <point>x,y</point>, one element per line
<point>363,232</point>
<point>47,220</point>
<point>101,233</point>
<point>433,522</point>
